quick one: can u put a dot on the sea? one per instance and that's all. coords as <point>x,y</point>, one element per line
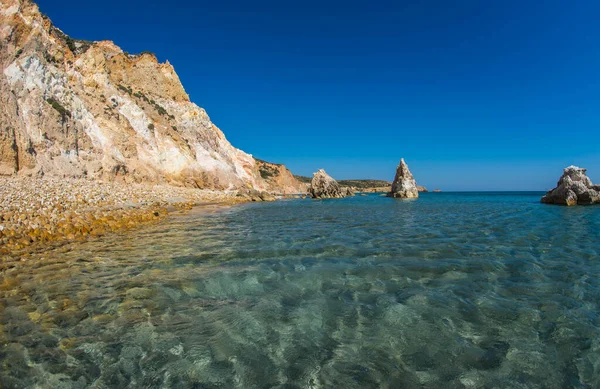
<point>450,290</point>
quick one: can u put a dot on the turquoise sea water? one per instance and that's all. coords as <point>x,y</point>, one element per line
<point>452,290</point>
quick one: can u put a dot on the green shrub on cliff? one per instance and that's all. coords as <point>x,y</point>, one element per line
<point>64,113</point>
<point>126,89</point>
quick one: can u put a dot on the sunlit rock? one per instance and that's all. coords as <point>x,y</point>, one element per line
<point>323,186</point>
<point>75,108</point>
<point>573,188</point>
<point>404,185</point>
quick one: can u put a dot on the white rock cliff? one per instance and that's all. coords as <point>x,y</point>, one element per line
<point>87,109</point>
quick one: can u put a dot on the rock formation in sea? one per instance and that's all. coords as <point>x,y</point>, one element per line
<point>573,188</point>
<point>323,186</point>
<point>404,185</point>
<point>76,108</point>
<point>422,189</point>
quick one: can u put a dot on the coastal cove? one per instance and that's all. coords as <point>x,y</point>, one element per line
<point>449,290</point>
<point>283,242</point>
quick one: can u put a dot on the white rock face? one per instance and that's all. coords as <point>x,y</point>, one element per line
<point>77,108</point>
<point>404,185</point>
<point>573,188</point>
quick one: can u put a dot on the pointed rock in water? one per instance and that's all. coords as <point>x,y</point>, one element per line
<point>404,185</point>
<point>323,186</point>
<point>573,188</point>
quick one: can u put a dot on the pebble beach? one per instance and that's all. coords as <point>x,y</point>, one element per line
<point>36,212</point>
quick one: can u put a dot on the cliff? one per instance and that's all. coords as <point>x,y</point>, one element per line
<point>87,109</point>
<point>279,178</point>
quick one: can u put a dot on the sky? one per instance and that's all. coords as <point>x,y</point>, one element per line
<point>475,95</point>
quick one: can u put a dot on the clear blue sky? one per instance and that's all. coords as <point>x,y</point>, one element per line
<point>475,95</point>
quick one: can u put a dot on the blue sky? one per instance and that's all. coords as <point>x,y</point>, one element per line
<point>475,95</point>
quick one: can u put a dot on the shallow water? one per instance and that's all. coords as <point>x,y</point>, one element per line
<point>452,290</point>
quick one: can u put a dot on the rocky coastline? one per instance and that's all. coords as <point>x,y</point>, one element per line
<point>120,125</point>
<point>73,108</point>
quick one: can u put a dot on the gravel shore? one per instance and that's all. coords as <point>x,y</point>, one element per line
<point>40,211</point>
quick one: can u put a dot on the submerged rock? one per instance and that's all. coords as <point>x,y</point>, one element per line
<point>323,186</point>
<point>404,185</point>
<point>573,188</point>
<point>255,195</point>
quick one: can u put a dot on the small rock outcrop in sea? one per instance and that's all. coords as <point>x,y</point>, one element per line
<point>404,185</point>
<point>422,189</point>
<point>323,186</point>
<point>573,188</point>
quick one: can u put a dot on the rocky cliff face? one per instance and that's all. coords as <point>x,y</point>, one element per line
<point>87,109</point>
<point>279,178</point>
<point>404,185</point>
<point>573,188</point>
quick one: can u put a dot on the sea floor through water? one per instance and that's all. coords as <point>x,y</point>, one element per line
<point>451,290</point>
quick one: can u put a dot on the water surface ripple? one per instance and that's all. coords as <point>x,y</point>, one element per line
<point>469,290</point>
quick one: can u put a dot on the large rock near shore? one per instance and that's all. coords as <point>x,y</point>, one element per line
<point>75,108</point>
<point>573,188</point>
<point>404,185</point>
<point>323,186</point>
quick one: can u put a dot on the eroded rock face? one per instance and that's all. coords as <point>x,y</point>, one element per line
<point>573,188</point>
<point>404,185</point>
<point>279,178</point>
<point>323,186</point>
<point>87,109</point>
